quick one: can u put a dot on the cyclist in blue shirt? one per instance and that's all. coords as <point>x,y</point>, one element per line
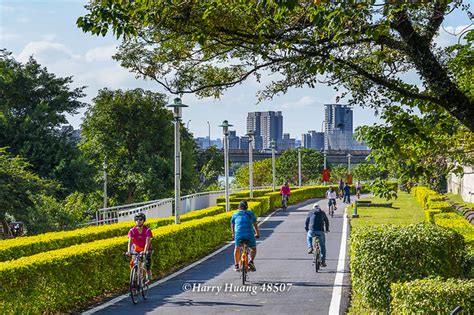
<point>243,224</point>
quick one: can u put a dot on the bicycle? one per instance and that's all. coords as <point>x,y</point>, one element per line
<point>138,278</point>
<point>284,202</point>
<point>316,253</point>
<point>244,260</point>
<point>332,207</point>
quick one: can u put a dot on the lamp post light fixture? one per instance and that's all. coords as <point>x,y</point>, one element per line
<point>250,134</point>
<point>225,127</point>
<point>187,125</point>
<point>299,167</point>
<point>177,114</point>
<point>272,146</point>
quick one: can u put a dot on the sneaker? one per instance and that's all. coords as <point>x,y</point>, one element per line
<point>236,268</point>
<point>310,250</point>
<point>148,279</point>
<point>323,264</point>
<point>252,266</point>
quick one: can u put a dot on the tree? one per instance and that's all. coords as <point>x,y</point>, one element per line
<point>262,174</point>
<point>419,147</point>
<point>311,166</point>
<point>368,47</point>
<point>33,105</point>
<point>367,172</point>
<point>210,164</point>
<point>133,132</point>
<point>18,188</point>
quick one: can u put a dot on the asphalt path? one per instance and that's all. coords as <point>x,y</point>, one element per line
<point>285,281</point>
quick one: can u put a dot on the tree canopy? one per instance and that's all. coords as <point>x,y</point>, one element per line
<point>33,108</point>
<point>132,132</point>
<point>369,48</point>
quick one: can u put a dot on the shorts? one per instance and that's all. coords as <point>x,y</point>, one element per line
<point>252,241</point>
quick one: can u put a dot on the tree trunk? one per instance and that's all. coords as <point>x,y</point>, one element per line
<point>6,229</point>
<point>458,104</point>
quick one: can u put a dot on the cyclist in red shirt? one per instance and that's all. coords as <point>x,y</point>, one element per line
<point>285,192</point>
<point>139,240</point>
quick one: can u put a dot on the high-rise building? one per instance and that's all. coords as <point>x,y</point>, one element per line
<point>313,140</point>
<point>234,141</point>
<point>287,143</point>
<point>338,126</point>
<point>267,125</point>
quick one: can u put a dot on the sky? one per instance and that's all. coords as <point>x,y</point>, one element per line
<point>47,31</point>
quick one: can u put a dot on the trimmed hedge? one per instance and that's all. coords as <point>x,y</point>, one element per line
<point>432,296</point>
<point>384,254</point>
<point>30,245</point>
<point>429,215</point>
<point>56,281</point>
<point>457,223</point>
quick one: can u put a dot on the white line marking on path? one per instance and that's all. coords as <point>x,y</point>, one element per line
<point>335,305</point>
<point>177,273</point>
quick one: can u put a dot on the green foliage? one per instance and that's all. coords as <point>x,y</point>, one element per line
<point>133,132</point>
<point>386,254</point>
<point>432,296</point>
<point>419,148</point>
<point>262,174</point>
<point>297,41</point>
<point>367,172</point>
<point>33,108</point>
<point>210,163</point>
<point>287,166</point>
<point>384,189</point>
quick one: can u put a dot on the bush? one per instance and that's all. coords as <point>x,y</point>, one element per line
<point>432,296</point>
<point>429,214</point>
<point>26,246</point>
<point>384,254</point>
<point>457,223</point>
<point>56,281</point>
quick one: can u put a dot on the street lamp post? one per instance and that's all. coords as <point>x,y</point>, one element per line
<point>272,146</point>
<point>250,135</point>
<point>325,157</point>
<point>209,125</point>
<point>225,127</point>
<point>349,163</point>
<point>105,183</point>
<point>299,167</point>
<point>187,125</point>
<point>177,114</point>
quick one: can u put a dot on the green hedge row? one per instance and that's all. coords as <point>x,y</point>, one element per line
<point>381,255</point>
<point>26,246</point>
<point>432,296</point>
<point>56,281</point>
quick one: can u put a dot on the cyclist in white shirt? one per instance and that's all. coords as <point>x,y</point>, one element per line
<point>331,196</point>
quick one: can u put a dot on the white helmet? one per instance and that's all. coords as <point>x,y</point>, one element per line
<point>316,205</point>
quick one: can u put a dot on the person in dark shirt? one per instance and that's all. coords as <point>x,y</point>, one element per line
<point>347,193</point>
<point>314,226</point>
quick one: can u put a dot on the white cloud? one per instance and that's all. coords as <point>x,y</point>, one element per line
<point>304,101</point>
<point>6,9</point>
<point>46,52</point>
<point>449,35</point>
<point>101,53</point>
<point>5,36</point>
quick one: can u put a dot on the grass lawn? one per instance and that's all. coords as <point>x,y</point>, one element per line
<point>458,199</point>
<point>405,210</point>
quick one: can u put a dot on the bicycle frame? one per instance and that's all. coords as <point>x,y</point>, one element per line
<point>316,253</point>
<point>244,260</point>
<point>284,202</point>
<point>138,277</point>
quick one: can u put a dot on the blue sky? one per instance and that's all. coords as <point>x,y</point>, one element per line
<point>47,30</point>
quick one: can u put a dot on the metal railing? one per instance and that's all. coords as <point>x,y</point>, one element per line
<point>160,208</point>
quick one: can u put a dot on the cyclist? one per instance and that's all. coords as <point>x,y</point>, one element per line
<point>243,223</point>
<point>331,196</point>
<point>285,192</point>
<point>341,188</point>
<point>139,241</point>
<point>314,225</point>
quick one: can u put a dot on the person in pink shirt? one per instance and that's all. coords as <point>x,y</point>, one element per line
<point>285,192</point>
<point>139,241</point>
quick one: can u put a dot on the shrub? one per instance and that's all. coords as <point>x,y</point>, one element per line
<point>429,214</point>
<point>384,254</point>
<point>26,246</point>
<point>432,296</point>
<point>457,223</point>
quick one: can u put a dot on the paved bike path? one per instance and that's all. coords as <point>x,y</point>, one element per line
<point>281,259</point>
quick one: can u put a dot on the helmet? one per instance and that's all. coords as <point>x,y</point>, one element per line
<point>316,206</point>
<point>140,215</point>
<point>243,205</point>
<point>285,182</point>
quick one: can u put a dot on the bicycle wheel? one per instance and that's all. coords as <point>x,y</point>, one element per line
<point>331,210</point>
<point>243,268</point>
<point>316,254</point>
<point>134,284</point>
<point>143,284</point>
